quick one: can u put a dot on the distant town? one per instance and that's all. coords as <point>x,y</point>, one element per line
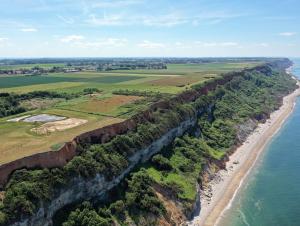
<point>44,66</point>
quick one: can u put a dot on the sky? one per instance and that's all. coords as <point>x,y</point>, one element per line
<point>149,28</point>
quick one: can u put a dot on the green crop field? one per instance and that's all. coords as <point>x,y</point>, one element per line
<point>19,140</point>
<point>17,80</point>
<point>14,81</point>
<point>184,69</point>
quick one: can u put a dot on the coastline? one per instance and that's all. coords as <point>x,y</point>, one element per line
<point>219,193</point>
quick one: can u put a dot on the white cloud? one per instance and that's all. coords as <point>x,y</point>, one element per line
<point>118,19</point>
<point>29,29</point>
<point>213,17</point>
<point>181,45</point>
<point>3,41</point>
<point>229,44</point>
<point>287,34</point>
<point>171,19</point>
<point>66,20</point>
<point>291,45</point>
<point>168,20</point>
<point>82,42</point>
<point>281,18</point>
<point>263,44</point>
<point>115,4</point>
<point>151,45</point>
<point>72,38</point>
<point>109,42</point>
<point>105,20</point>
<point>215,21</point>
<point>214,44</point>
<point>207,44</point>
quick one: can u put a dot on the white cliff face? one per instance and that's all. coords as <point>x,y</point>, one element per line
<point>82,189</point>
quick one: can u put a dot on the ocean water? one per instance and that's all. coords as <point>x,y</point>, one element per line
<point>271,194</point>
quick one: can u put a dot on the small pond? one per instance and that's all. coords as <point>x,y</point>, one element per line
<point>44,118</point>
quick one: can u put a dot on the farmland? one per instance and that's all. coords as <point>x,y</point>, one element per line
<point>15,81</point>
<point>97,109</point>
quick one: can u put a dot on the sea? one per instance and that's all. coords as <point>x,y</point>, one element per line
<point>270,195</point>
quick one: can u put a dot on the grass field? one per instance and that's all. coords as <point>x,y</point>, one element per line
<point>17,138</point>
<point>104,105</point>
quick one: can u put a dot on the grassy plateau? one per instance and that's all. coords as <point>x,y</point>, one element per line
<point>99,109</point>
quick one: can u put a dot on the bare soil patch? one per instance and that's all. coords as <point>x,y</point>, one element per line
<point>173,209</point>
<point>18,119</point>
<point>62,125</point>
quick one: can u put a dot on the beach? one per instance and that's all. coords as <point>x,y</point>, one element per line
<point>217,195</point>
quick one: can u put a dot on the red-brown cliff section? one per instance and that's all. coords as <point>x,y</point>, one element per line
<point>48,159</point>
<point>59,158</point>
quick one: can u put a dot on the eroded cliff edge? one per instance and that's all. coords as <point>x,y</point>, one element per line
<point>33,196</point>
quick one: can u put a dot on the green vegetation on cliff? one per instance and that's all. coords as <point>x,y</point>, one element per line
<point>27,188</point>
<point>177,169</point>
<point>226,108</point>
<point>139,201</point>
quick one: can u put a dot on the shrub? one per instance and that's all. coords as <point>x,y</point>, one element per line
<point>117,208</point>
<point>140,195</point>
<point>161,162</point>
<point>90,91</point>
<point>86,216</point>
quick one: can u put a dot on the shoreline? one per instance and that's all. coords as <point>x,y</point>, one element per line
<point>219,193</point>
